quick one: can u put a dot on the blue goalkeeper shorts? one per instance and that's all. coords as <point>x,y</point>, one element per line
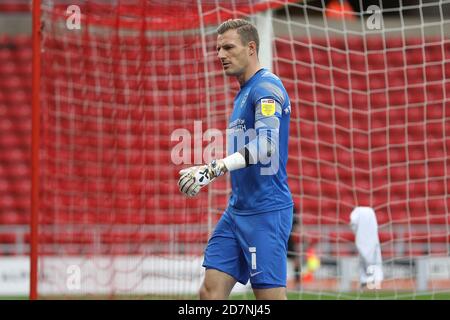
<point>251,247</point>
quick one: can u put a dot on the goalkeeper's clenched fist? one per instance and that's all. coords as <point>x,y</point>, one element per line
<point>194,178</point>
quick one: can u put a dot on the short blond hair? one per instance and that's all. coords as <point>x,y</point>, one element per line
<point>246,31</point>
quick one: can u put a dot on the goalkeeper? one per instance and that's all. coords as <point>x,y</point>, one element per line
<point>250,239</point>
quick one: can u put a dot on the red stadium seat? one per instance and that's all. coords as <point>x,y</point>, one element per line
<point>425,237</point>
<point>13,217</point>
<point>376,61</point>
<point>8,238</point>
<point>357,61</point>
<point>386,236</point>
<point>397,97</point>
<point>343,237</point>
<point>436,169</point>
<point>417,212</point>
<point>285,69</point>
<point>192,237</point>
<point>434,72</point>
<point>413,53</point>
<point>283,49</point>
<point>355,43</point>
<point>415,252</point>
<point>375,43</point>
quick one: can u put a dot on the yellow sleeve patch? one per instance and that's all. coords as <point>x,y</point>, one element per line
<point>267,107</point>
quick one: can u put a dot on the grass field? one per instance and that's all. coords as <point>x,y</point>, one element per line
<point>375,295</point>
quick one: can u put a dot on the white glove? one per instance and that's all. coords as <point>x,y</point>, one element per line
<point>194,178</point>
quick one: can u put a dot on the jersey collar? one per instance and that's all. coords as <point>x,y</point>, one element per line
<point>253,77</point>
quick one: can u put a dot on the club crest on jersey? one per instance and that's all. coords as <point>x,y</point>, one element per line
<point>237,125</point>
<point>267,107</point>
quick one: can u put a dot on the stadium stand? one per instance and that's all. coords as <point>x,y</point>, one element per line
<point>399,193</point>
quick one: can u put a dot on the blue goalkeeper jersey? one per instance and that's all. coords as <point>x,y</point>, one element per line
<point>259,125</point>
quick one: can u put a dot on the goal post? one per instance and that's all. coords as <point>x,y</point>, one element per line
<point>132,91</point>
<point>263,23</point>
<point>35,144</point>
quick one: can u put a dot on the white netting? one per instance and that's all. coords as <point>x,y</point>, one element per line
<point>369,128</point>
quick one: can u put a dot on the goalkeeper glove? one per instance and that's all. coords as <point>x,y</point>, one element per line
<point>194,178</point>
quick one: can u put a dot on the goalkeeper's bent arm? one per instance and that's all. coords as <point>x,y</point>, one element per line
<point>261,148</point>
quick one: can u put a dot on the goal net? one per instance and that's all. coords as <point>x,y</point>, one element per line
<point>132,91</point>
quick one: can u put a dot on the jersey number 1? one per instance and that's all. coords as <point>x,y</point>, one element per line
<point>253,256</point>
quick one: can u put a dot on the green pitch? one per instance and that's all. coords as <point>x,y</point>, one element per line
<point>375,295</point>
